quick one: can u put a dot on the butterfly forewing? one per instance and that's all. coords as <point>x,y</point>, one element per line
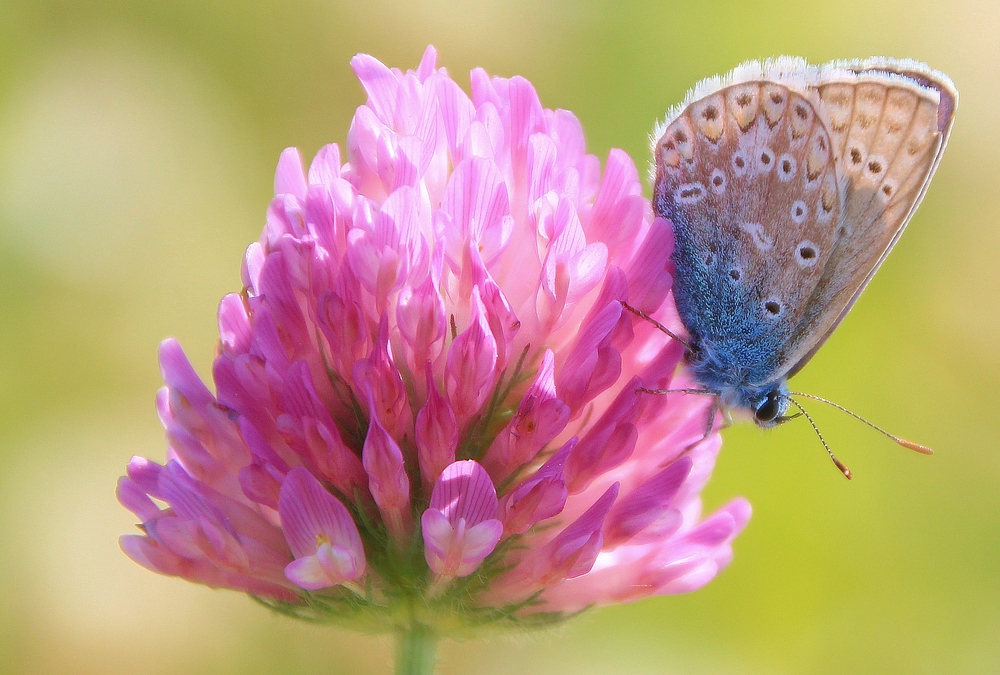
<point>747,176</point>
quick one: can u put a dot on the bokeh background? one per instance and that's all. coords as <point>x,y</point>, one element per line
<point>137,145</point>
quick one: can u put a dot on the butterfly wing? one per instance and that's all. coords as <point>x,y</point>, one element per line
<point>890,122</point>
<point>852,146</point>
<point>747,176</point>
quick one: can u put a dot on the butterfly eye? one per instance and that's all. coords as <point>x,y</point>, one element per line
<point>769,408</point>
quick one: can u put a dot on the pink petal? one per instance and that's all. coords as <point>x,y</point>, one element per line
<point>387,479</point>
<point>289,178</point>
<point>308,512</point>
<point>651,273</point>
<point>609,442</point>
<point>646,504</point>
<point>436,433</point>
<point>464,491</point>
<point>471,369</point>
<point>325,166</point>
<point>380,83</point>
<point>378,376</point>
<point>539,497</point>
<point>420,317</point>
<point>480,540</point>
<point>540,417</point>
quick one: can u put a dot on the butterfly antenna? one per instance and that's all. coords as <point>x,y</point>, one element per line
<point>916,447</point>
<point>641,314</point>
<point>840,465</point>
<point>704,392</point>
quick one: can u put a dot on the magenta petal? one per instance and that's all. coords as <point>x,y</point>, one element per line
<point>594,363</point>
<point>178,374</point>
<point>387,479</point>
<point>457,550</point>
<point>579,543</point>
<point>539,497</point>
<point>472,360</point>
<point>540,417</point>
<point>645,504</point>
<point>309,513</point>
<point>460,527</point>
<point>436,433</point>
<point>135,499</point>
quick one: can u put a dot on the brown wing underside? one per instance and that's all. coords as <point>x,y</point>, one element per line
<point>788,193</point>
<point>888,135</point>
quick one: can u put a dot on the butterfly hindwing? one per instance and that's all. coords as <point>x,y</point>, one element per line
<point>889,131</point>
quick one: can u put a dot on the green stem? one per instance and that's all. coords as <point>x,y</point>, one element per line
<point>415,647</point>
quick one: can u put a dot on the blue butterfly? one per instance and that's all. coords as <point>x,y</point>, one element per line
<point>787,185</point>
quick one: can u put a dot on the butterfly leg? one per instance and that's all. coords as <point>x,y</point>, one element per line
<point>712,414</point>
<point>642,315</point>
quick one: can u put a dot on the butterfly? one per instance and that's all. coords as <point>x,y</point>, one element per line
<point>786,186</point>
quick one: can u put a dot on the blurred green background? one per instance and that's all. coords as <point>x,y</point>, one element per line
<point>137,145</point>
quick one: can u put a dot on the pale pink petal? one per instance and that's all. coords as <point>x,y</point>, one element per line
<point>325,166</point>
<point>308,573</point>
<point>380,83</point>
<point>289,178</point>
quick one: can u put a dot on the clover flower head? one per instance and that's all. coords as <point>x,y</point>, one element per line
<point>426,401</point>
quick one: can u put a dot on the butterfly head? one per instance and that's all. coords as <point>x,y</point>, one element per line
<point>770,408</point>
